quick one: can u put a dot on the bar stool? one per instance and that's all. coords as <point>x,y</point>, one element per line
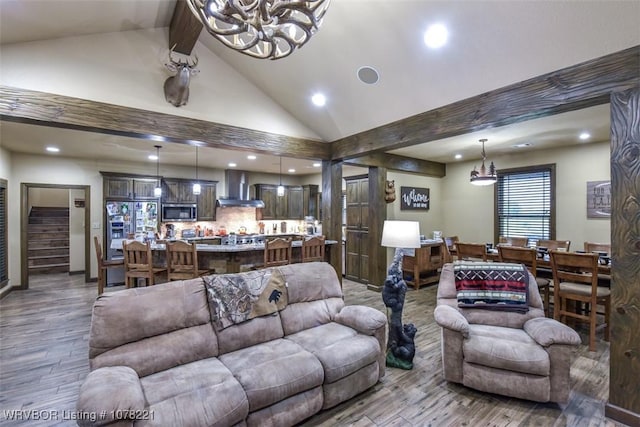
<point>277,252</point>
<point>103,265</point>
<point>182,261</point>
<point>313,249</point>
<point>138,263</point>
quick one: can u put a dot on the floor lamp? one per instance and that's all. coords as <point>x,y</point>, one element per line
<point>400,345</point>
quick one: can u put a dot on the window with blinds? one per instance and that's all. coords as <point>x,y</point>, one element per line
<point>525,203</point>
<point>4,267</point>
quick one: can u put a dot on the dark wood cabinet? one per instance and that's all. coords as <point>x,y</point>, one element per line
<point>269,195</point>
<point>289,206</point>
<point>356,232</point>
<point>310,201</point>
<point>119,186</point>
<point>177,191</point>
<point>206,201</point>
<point>295,196</point>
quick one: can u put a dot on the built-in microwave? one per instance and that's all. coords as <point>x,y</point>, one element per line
<point>179,212</point>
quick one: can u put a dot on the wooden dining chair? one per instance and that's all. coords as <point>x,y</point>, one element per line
<point>554,245</point>
<point>277,252</point>
<point>103,265</point>
<point>528,257</point>
<point>575,280</point>
<point>471,251</point>
<point>597,247</point>
<point>451,242</point>
<point>313,249</point>
<point>182,261</point>
<point>521,242</point>
<point>138,263</point>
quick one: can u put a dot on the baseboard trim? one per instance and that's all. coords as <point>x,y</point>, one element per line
<point>622,415</point>
<point>72,273</point>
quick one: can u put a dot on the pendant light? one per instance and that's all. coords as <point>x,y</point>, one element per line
<point>196,185</point>
<point>484,177</point>
<point>157,192</point>
<point>280,187</point>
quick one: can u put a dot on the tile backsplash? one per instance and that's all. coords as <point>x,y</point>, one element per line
<point>232,218</point>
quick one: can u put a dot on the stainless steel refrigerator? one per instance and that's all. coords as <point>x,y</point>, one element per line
<point>125,219</point>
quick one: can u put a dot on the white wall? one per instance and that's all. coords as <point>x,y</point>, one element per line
<point>48,197</point>
<point>5,163</point>
<point>127,68</point>
<point>468,210</point>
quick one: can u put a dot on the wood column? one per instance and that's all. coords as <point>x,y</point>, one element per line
<point>332,210</point>
<point>624,386</point>
<point>377,215</point>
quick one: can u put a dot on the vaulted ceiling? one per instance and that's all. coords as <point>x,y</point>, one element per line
<point>491,44</point>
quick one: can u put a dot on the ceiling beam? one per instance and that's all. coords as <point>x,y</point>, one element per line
<point>184,29</point>
<point>400,163</point>
<point>580,86</point>
<point>40,108</point>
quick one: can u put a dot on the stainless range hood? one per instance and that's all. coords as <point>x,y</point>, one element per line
<point>238,191</point>
<point>253,203</point>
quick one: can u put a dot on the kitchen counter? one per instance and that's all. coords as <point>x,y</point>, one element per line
<point>227,258</point>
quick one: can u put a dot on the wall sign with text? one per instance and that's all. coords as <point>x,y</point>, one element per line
<point>598,199</point>
<point>413,198</point>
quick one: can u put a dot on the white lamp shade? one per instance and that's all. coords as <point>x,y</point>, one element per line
<point>401,234</point>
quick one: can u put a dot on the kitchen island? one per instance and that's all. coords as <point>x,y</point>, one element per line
<point>229,258</point>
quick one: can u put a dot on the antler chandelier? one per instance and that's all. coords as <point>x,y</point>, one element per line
<point>261,28</point>
<point>484,177</point>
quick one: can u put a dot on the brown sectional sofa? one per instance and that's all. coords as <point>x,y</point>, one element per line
<point>156,358</point>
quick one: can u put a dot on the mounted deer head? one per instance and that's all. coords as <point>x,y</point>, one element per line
<point>176,87</point>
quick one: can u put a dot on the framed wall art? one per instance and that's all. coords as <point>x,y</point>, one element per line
<point>598,199</point>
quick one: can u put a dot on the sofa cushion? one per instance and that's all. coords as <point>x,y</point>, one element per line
<point>507,383</point>
<point>304,315</point>
<point>273,371</point>
<point>254,331</point>
<point>340,349</point>
<point>158,353</point>
<point>311,281</point>
<point>518,355</point>
<point>190,395</point>
<point>134,314</point>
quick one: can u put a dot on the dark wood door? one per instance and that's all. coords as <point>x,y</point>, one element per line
<point>268,194</point>
<point>144,188</point>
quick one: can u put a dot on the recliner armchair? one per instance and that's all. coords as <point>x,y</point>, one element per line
<point>522,355</point>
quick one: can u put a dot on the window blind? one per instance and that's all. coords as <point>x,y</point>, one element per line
<point>524,203</point>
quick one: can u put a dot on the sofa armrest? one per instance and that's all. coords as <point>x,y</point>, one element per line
<point>363,319</point>
<point>547,331</point>
<point>450,318</point>
<point>112,394</point>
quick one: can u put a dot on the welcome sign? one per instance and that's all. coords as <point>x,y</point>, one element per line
<point>414,198</point>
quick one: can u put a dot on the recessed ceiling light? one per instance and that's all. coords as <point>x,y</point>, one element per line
<point>522,145</point>
<point>317,165</point>
<point>585,135</point>
<point>436,36</point>
<point>251,157</point>
<point>319,100</point>
<point>232,165</point>
<point>292,170</point>
<point>152,157</point>
<point>52,149</point>
<point>458,156</point>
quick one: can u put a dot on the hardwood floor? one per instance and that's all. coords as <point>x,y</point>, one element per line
<point>44,350</point>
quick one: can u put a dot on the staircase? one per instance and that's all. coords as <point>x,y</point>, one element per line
<point>48,240</point>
